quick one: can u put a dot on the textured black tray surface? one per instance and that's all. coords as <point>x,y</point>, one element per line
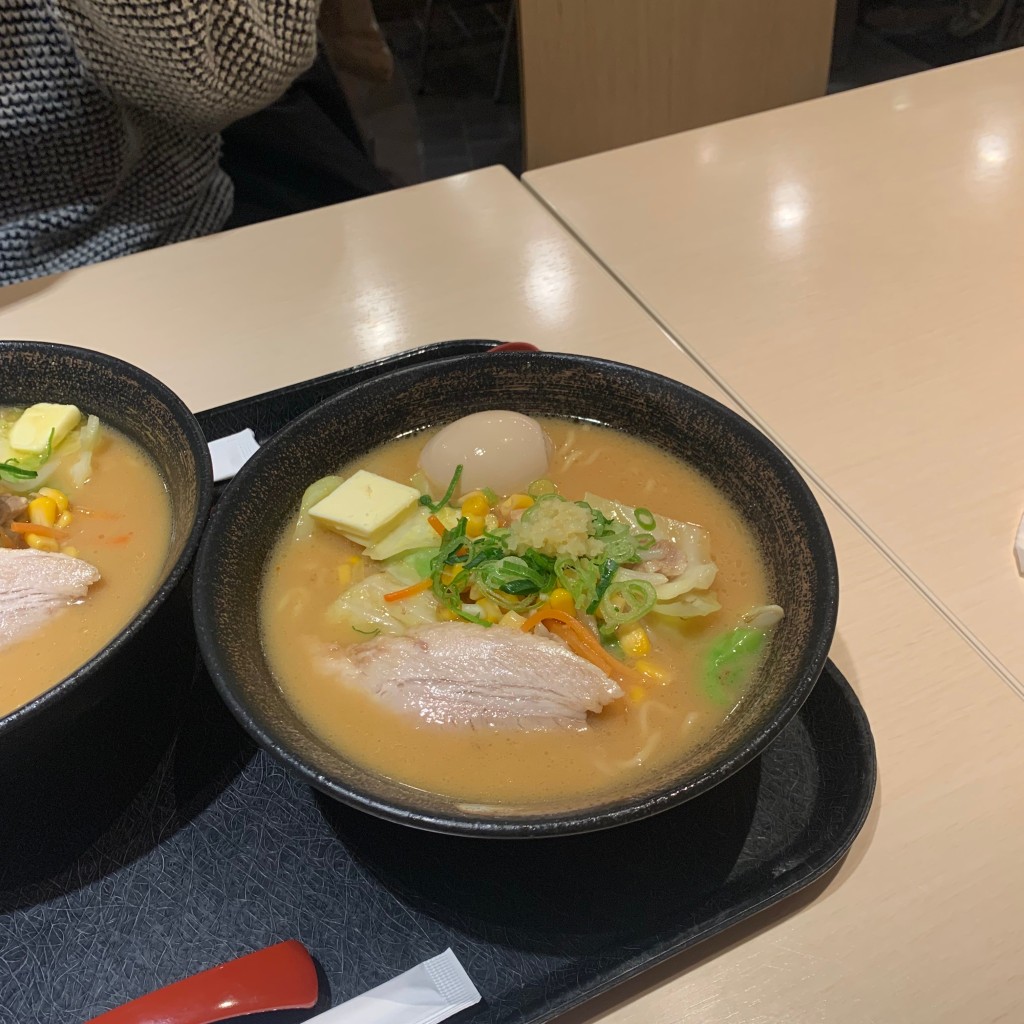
<point>222,852</point>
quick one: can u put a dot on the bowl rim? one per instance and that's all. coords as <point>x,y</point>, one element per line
<point>540,825</point>
<point>197,445</point>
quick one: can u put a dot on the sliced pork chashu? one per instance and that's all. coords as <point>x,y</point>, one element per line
<point>457,673</point>
<point>35,585</point>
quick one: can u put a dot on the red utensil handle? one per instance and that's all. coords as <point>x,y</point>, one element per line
<point>513,346</point>
<point>280,977</point>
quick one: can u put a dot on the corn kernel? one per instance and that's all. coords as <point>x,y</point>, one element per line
<point>59,497</point>
<point>513,620</point>
<point>65,519</point>
<point>42,511</point>
<point>490,609</point>
<point>70,550</point>
<point>634,641</point>
<point>475,504</point>
<point>354,560</point>
<point>652,671</point>
<point>519,501</point>
<point>34,540</point>
<point>637,693</point>
<point>474,526</point>
<point>447,615</point>
<point>449,573</point>
<point>345,575</point>
<point>561,600</point>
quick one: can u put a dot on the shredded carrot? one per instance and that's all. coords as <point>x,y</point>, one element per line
<point>437,525</point>
<point>43,531</point>
<point>416,588</point>
<point>580,640</point>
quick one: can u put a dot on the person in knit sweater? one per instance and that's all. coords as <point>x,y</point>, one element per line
<point>110,114</point>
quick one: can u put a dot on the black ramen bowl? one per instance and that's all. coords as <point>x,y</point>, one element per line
<point>740,461</point>
<point>77,741</point>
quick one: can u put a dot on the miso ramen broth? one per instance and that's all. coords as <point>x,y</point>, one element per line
<point>119,522</point>
<point>651,725</point>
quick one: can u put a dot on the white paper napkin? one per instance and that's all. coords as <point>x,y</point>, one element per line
<point>229,454</point>
<point>426,994</point>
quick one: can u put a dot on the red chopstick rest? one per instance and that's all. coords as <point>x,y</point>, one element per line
<point>280,977</point>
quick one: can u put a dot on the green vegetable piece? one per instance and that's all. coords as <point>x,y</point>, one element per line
<point>13,471</point>
<point>419,561</point>
<point>608,569</point>
<point>27,468</point>
<point>425,498</point>
<point>730,658</point>
<point>539,488</point>
<point>305,524</point>
<point>644,519</point>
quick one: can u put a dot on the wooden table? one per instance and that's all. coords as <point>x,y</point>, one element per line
<point>234,314</point>
<point>851,270</point>
<point>924,920</point>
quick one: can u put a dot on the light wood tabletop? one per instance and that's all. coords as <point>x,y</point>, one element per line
<point>851,269</point>
<point>924,920</point>
<point>245,311</point>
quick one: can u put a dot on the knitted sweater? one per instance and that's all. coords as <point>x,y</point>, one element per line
<point>109,114</point>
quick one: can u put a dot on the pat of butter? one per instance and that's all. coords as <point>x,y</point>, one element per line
<point>31,431</point>
<point>365,505</point>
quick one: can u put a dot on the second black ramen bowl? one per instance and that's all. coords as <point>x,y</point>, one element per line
<point>739,460</point>
<point>85,742</point>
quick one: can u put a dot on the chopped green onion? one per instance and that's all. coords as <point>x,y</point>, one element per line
<point>608,571</point>
<point>520,587</point>
<point>645,519</point>
<point>625,602</point>
<point>523,581</point>
<point>452,543</point>
<point>425,498</point>
<point>516,577</point>
<point>529,513</point>
<point>579,576</point>
<point>367,632</point>
<point>491,496</point>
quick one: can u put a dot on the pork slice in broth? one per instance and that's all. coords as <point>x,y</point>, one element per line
<point>35,585</point>
<point>456,673</point>
<point>11,507</point>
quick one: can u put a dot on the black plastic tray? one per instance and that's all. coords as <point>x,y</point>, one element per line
<point>223,852</point>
